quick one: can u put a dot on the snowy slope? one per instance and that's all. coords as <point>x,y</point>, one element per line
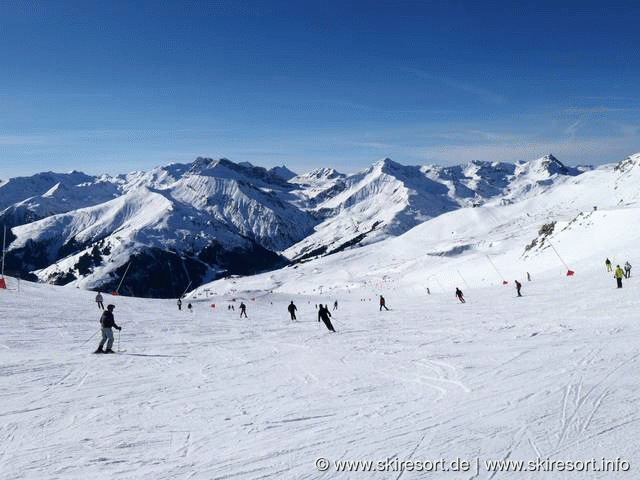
<point>551,376</point>
<point>489,244</point>
<point>385,200</point>
<point>25,199</point>
<point>388,199</point>
<point>215,217</point>
<point>204,219</point>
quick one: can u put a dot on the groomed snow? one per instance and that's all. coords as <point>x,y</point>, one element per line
<point>551,376</point>
<point>208,395</point>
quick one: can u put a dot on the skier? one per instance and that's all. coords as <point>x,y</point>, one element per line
<point>528,277</point>
<point>107,322</point>
<point>428,291</point>
<point>607,262</point>
<point>382,303</point>
<point>179,304</point>
<point>518,287</point>
<point>627,269</point>
<point>99,301</point>
<point>292,310</point>
<point>335,305</point>
<point>324,314</point>
<point>243,310</point>
<point>619,273</point>
<point>189,306</point>
<point>460,295</point>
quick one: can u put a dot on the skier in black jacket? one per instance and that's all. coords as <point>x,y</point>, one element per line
<point>324,314</point>
<point>107,322</point>
<point>292,310</point>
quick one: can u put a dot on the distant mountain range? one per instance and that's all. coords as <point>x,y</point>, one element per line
<point>187,224</point>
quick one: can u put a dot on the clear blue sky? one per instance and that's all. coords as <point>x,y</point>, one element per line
<point>127,85</point>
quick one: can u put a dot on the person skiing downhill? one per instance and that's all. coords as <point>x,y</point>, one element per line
<point>383,303</point>
<point>460,295</point>
<point>99,301</point>
<point>243,310</point>
<point>335,305</point>
<point>292,310</point>
<point>107,322</point>
<point>324,314</point>
<point>179,302</point>
<point>607,262</point>
<point>518,287</point>
<point>619,273</point>
<point>627,269</point>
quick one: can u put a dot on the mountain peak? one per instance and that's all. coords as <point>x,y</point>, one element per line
<point>628,163</point>
<point>546,167</point>
<point>385,162</point>
<point>282,172</point>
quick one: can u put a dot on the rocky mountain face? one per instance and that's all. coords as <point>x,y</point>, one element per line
<point>154,233</point>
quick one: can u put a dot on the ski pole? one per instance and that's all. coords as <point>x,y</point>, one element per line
<point>94,334</point>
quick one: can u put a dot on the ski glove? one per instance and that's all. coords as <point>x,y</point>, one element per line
<point>119,328</point>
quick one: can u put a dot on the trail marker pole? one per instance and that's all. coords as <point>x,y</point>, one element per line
<point>4,241</point>
<point>569,271</point>
<point>3,284</point>
<point>463,280</point>
<point>186,289</point>
<point>122,279</point>
<point>504,282</point>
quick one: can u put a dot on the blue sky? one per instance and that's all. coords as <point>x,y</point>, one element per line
<point>111,87</point>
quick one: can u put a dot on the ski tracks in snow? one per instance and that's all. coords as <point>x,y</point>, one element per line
<point>580,403</point>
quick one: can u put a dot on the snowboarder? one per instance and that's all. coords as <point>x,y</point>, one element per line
<point>292,310</point>
<point>189,306</point>
<point>107,322</point>
<point>383,303</point>
<point>335,305</point>
<point>324,314</point>
<point>607,262</point>
<point>619,273</point>
<point>627,269</point>
<point>460,295</point>
<point>179,304</point>
<point>99,301</point>
<point>243,310</point>
<point>518,287</point>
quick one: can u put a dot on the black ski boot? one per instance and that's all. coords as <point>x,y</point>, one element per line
<point>108,350</point>
<point>99,350</point>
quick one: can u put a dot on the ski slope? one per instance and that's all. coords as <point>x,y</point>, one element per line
<point>549,377</point>
<point>208,395</point>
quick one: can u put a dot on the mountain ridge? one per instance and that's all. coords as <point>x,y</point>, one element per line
<point>215,215</point>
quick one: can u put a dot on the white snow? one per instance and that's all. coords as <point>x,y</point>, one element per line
<point>207,395</point>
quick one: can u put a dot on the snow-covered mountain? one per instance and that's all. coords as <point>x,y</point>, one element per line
<point>175,225</point>
<point>388,199</point>
<point>514,387</point>
<point>189,223</point>
<point>575,224</point>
